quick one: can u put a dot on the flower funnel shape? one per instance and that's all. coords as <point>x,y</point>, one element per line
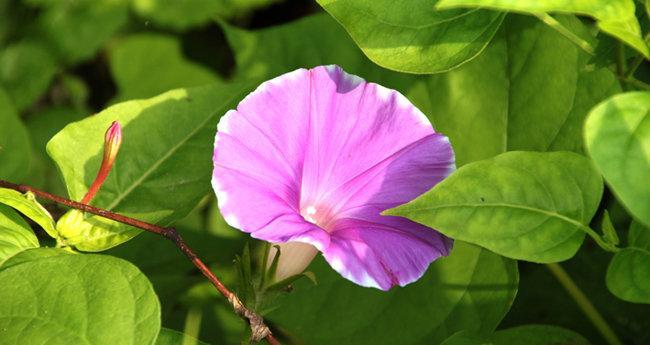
<point>315,156</point>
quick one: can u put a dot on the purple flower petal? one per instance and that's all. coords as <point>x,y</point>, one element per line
<point>315,155</point>
<point>385,252</point>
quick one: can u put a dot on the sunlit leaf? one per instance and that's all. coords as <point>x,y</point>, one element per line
<point>164,165</point>
<point>27,205</point>
<point>617,137</point>
<point>414,37</point>
<point>528,90</point>
<point>616,17</point>
<point>62,298</point>
<point>15,234</point>
<point>523,205</point>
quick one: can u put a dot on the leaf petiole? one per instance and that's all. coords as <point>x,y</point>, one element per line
<point>584,303</point>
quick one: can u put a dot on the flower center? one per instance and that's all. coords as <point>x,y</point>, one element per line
<point>317,214</point>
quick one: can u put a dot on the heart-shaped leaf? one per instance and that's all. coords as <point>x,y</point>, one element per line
<point>628,274</point>
<point>163,168</point>
<point>615,17</point>
<point>617,137</point>
<point>415,37</point>
<point>51,297</point>
<point>524,205</point>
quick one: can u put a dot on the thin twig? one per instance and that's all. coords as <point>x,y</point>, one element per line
<point>259,329</point>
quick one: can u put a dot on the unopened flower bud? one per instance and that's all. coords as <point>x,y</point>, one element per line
<point>294,258</point>
<point>112,142</point>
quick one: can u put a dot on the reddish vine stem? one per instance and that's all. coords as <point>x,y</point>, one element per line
<point>258,327</point>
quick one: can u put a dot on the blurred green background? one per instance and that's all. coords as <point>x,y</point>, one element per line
<point>61,61</point>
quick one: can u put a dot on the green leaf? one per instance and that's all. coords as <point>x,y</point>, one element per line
<point>528,334</point>
<point>164,165</point>
<point>467,338</point>
<point>33,255</point>
<point>75,30</point>
<point>471,289</point>
<point>8,22</point>
<point>617,137</point>
<point>628,274</point>
<point>145,65</point>
<point>42,126</point>
<point>172,275</point>
<point>538,335</point>
<point>415,38</point>
<point>504,97</point>
<point>311,41</point>
<point>14,142</point>
<point>523,205</point>
<point>15,234</point>
<point>639,236</point>
<point>171,337</point>
<point>27,205</point>
<point>26,70</point>
<point>182,15</point>
<point>616,17</point>
<point>91,233</point>
<point>76,299</point>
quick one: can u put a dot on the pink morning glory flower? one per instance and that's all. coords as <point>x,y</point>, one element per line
<point>314,156</point>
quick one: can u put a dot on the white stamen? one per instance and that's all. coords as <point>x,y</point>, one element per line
<point>311,210</point>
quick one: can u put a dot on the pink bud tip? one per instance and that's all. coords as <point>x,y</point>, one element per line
<point>112,142</point>
<point>114,132</point>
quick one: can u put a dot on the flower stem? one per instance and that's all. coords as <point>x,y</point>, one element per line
<point>192,325</point>
<point>584,303</point>
<point>260,330</point>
